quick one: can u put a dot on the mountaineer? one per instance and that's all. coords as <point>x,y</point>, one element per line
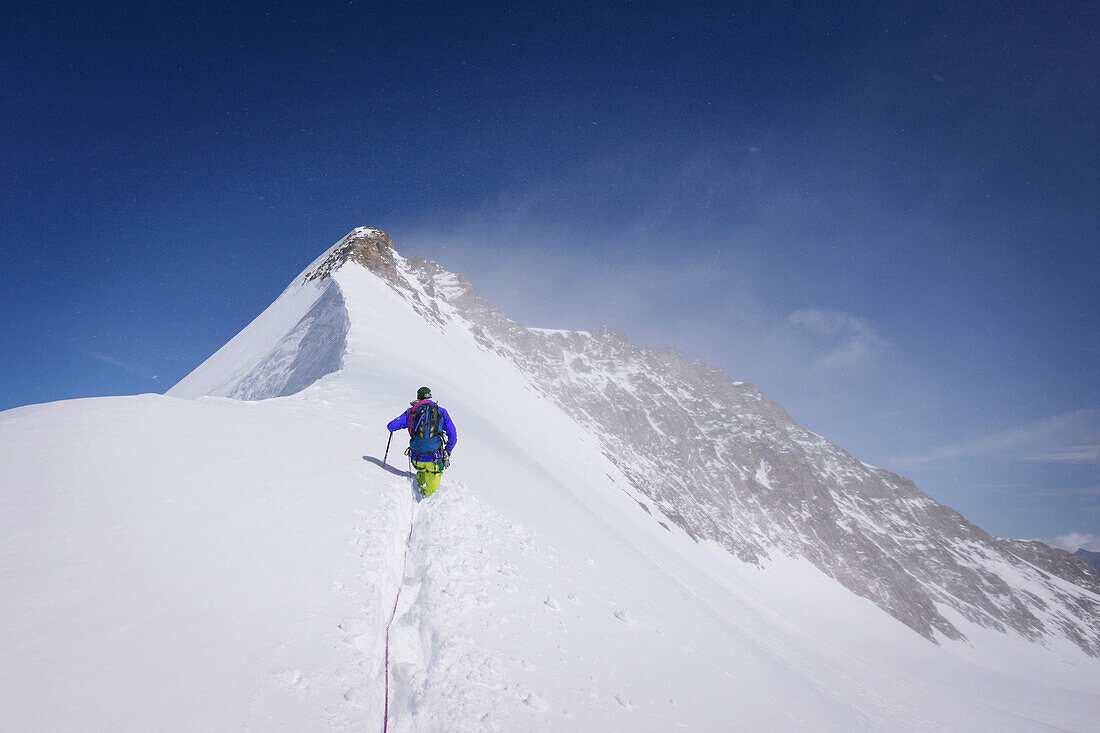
<point>427,423</point>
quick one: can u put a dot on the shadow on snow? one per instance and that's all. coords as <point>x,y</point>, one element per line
<point>392,469</point>
<point>411,475</point>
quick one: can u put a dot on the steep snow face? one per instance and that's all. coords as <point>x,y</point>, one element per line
<point>220,564</point>
<point>725,463</point>
<point>300,338</point>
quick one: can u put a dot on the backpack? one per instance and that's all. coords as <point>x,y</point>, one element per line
<point>424,423</point>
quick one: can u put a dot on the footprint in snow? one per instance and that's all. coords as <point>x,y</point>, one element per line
<point>552,604</point>
<point>628,704</point>
<point>537,703</point>
<point>354,626</point>
<point>292,679</point>
<point>341,590</point>
<point>624,616</point>
<point>355,633</point>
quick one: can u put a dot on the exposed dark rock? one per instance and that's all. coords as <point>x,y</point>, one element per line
<point>1075,569</point>
<point>366,246</point>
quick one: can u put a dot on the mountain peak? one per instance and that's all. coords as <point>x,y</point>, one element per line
<point>716,458</point>
<point>370,247</point>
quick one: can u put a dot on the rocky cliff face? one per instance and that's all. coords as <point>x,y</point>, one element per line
<point>729,465</point>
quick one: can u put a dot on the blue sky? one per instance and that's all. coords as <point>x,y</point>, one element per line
<point>884,215</point>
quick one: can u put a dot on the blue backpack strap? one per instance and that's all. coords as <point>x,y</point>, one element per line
<point>413,411</point>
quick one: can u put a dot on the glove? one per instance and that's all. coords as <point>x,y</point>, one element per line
<point>446,459</point>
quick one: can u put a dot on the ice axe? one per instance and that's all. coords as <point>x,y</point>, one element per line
<point>387,450</point>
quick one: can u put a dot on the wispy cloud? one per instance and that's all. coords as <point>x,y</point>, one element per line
<point>1074,491</point>
<point>1070,437</point>
<point>841,339</point>
<point>1070,454</point>
<point>125,366</point>
<point>1075,541</point>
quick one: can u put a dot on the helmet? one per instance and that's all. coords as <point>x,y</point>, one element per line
<point>424,393</point>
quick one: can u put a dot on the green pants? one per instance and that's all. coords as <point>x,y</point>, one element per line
<point>428,475</point>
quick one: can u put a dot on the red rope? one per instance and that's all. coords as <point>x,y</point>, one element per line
<point>389,625</point>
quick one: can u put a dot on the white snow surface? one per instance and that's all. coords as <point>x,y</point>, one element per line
<point>217,564</point>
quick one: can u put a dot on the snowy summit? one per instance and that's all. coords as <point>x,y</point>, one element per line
<point>626,540</point>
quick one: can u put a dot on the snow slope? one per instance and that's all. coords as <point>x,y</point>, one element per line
<point>220,564</point>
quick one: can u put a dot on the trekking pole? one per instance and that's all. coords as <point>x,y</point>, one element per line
<point>387,450</point>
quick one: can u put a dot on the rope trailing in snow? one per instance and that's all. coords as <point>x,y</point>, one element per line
<point>389,625</point>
